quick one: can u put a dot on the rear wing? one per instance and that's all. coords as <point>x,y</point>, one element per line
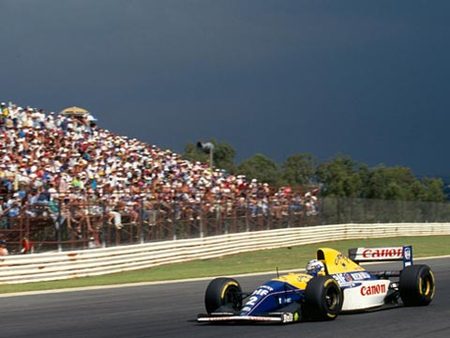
<point>398,253</point>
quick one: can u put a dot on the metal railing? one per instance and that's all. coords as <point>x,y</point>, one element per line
<point>91,223</point>
<point>96,262</point>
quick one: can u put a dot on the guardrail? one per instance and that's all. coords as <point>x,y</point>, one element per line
<point>94,262</point>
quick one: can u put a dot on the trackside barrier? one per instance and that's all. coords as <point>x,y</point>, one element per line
<point>94,262</point>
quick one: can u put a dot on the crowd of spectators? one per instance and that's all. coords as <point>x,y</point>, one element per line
<point>61,161</point>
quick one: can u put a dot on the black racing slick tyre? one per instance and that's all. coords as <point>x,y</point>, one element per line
<point>223,292</point>
<point>323,298</point>
<point>417,285</point>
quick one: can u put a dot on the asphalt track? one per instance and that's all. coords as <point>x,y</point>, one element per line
<point>170,311</point>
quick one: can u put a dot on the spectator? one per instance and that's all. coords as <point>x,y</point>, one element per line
<point>3,249</point>
<point>45,158</point>
<point>27,246</point>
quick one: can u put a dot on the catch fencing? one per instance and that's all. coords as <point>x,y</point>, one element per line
<point>83,224</point>
<point>83,263</point>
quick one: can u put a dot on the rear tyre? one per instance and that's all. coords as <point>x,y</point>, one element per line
<point>417,285</point>
<point>323,298</point>
<point>223,292</point>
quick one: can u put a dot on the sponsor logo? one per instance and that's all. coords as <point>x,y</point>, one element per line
<point>383,253</point>
<point>341,260</point>
<point>372,290</point>
<point>343,278</point>
<point>261,292</point>
<point>360,275</point>
<point>288,317</point>
<point>267,287</point>
<point>348,278</point>
<point>340,278</point>
<point>282,300</point>
<point>303,278</point>
<point>407,253</point>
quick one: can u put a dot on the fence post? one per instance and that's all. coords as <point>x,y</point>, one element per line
<point>174,226</point>
<point>247,223</point>
<point>289,217</point>
<point>224,218</point>
<point>58,227</point>
<point>104,225</point>
<point>141,221</point>
<point>269,215</point>
<point>201,220</point>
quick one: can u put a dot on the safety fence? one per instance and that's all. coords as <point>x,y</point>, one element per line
<point>89,223</point>
<point>82,263</point>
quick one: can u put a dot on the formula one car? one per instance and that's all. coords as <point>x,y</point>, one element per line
<point>333,283</point>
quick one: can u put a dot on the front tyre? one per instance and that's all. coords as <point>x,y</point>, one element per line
<point>223,292</point>
<point>323,298</point>
<point>417,285</point>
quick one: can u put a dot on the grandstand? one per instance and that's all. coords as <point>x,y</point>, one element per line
<point>67,183</point>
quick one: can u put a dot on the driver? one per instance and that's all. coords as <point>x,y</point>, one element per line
<point>315,268</point>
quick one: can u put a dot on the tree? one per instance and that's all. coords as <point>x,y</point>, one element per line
<point>392,183</point>
<point>299,169</point>
<point>433,190</point>
<point>364,175</point>
<point>193,154</point>
<point>223,155</point>
<point>399,183</point>
<point>340,177</point>
<point>260,167</point>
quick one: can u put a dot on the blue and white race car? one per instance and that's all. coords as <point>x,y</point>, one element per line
<point>333,283</point>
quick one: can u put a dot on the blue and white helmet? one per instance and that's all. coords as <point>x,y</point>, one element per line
<point>315,267</point>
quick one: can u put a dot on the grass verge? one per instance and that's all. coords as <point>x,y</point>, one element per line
<point>256,261</point>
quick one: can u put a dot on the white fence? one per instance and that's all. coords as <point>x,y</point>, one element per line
<point>94,262</point>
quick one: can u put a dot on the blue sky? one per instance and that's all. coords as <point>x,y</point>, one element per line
<point>365,78</point>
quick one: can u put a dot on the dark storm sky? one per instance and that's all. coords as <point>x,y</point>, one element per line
<point>365,78</point>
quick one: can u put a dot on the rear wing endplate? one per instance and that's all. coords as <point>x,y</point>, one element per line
<point>398,253</point>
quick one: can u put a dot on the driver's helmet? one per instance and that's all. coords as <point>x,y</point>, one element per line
<point>315,267</point>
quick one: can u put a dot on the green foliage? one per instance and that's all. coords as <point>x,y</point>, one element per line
<point>223,155</point>
<point>342,177</point>
<point>393,183</point>
<point>399,183</point>
<point>192,153</point>
<point>433,190</point>
<point>299,169</point>
<point>339,177</point>
<point>262,168</point>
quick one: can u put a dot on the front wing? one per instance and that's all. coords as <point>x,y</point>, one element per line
<point>274,317</point>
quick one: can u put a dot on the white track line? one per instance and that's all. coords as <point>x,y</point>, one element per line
<point>117,286</point>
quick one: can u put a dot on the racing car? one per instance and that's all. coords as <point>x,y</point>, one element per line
<point>332,284</point>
